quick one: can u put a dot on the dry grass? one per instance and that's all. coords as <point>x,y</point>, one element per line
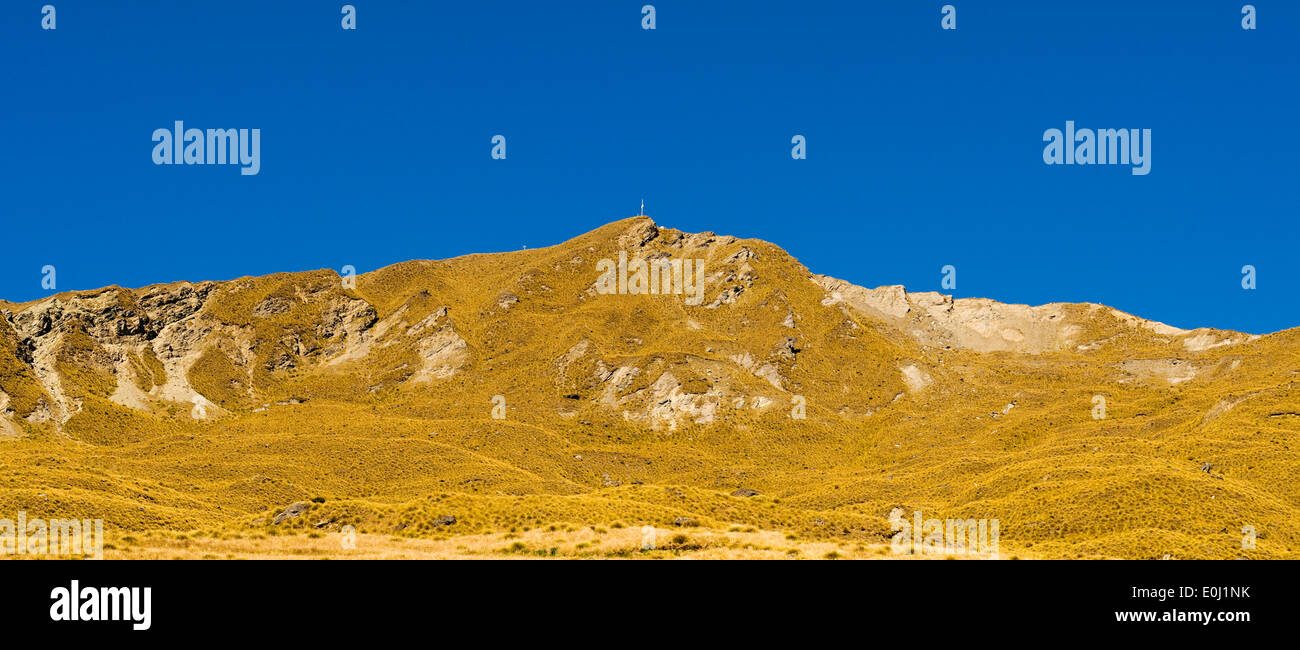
<point>391,455</point>
<point>584,543</point>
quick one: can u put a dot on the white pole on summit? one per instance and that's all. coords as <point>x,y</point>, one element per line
<point>642,208</point>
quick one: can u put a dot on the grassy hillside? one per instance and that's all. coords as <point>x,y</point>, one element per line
<point>190,416</point>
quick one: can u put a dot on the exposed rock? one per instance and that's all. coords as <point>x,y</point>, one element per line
<point>744,360</point>
<point>787,350</point>
<point>915,378</point>
<point>727,296</point>
<point>1199,340</point>
<point>291,512</point>
<point>443,353</point>
<point>506,300</point>
<point>771,374</point>
<point>617,382</point>
<point>8,429</point>
<point>641,232</point>
<point>979,324</point>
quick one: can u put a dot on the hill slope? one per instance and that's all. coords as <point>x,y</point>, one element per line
<point>213,406</point>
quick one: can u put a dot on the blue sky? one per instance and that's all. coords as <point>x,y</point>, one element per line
<point>924,146</point>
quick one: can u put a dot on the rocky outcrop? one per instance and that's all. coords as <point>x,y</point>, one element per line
<point>118,326</point>
<point>292,512</point>
<point>984,325</point>
<point>938,320</point>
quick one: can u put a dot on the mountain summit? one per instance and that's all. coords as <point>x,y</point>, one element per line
<point>639,375</point>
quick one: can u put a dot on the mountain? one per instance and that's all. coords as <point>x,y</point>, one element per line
<point>518,403</point>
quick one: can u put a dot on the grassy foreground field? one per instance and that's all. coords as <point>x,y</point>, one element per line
<point>587,543</point>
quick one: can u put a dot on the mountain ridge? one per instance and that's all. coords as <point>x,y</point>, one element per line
<point>20,305</point>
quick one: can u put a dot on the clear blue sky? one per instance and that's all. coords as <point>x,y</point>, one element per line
<point>924,146</point>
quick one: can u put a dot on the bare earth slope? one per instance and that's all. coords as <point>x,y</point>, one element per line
<point>190,415</point>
